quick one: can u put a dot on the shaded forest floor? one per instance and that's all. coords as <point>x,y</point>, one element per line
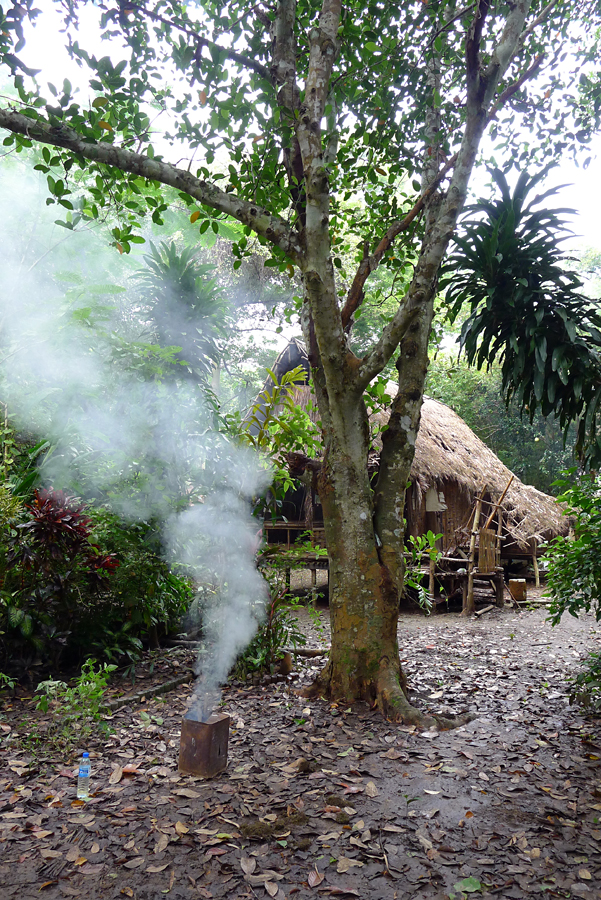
<point>320,800</point>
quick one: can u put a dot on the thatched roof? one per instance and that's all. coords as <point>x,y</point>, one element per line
<point>448,450</point>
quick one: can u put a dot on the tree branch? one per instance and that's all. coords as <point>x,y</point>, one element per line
<point>513,88</point>
<point>370,263</point>
<point>240,58</point>
<point>266,224</point>
<point>538,21</point>
<point>436,242</point>
<point>283,69</point>
<point>506,48</point>
<point>472,52</point>
<point>447,25</point>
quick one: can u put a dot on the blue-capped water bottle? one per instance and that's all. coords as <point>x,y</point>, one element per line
<point>83,778</point>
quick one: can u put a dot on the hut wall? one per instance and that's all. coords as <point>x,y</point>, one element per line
<point>442,515</point>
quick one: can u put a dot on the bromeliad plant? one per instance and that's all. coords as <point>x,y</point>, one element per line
<point>526,310</point>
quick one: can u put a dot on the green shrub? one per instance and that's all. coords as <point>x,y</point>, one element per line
<point>149,594</point>
<point>76,578</point>
<point>574,565</point>
<point>586,684</point>
<point>73,713</point>
<point>278,628</point>
<point>574,574</point>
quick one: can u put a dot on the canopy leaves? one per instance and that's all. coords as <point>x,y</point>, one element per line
<point>526,310</point>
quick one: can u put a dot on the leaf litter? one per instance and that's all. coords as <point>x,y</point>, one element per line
<point>323,800</point>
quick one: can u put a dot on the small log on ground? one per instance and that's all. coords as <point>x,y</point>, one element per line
<point>486,609</point>
<point>151,691</point>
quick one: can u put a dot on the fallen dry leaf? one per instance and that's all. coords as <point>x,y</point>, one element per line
<point>263,877</point>
<point>134,863</point>
<point>371,790</point>
<point>156,868</point>
<point>248,865</point>
<point>344,864</point>
<point>116,775</point>
<point>330,836</point>
<point>392,754</point>
<point>187,792</point>
<point>161,844</point>
<point>315,877</point>
<point>181,828</point>
<point>271,888</point>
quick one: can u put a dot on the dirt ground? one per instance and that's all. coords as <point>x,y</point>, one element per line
<point>323,800</point>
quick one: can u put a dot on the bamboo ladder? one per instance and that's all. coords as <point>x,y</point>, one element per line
<point>488,551</point>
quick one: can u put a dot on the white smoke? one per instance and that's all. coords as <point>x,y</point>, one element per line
<point>111,426</point>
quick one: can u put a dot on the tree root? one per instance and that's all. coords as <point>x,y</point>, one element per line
<point>392,701</point>
<point>389,696</point>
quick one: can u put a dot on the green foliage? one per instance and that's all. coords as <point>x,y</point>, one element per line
<point>415,550</point>
<point>75,577</point>
<point>187,307</point>
<point>574,565</point>
<point>526,309</point>
<point>586,684</point>
<point>6,682</point>
<point>147,591</point>
<point>276,426</point>
<point>278,627</point>
<point>73,712</point>
<point>277,632</point>
<point>466,886</point>
<point>226,105</point>
<point>534,450</point>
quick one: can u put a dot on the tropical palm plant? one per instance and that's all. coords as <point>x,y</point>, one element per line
<point>188,308</point>
<point>526,310</point>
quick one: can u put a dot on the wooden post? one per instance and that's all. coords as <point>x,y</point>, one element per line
<point>499,535</point>
<point>535,564</point>
<point>500,584</point>
<point>469,606</point>
<point>498,505</point>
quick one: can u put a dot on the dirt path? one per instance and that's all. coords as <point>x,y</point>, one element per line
<point>327,801</point>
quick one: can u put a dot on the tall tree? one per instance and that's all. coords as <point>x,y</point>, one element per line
<point>307,104</point>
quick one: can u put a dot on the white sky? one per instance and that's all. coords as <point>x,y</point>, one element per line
<point>48,53</point>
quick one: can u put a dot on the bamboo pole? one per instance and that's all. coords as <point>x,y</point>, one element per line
<point>497,505</point>
<point>535,564</point>
<point>468,600</point>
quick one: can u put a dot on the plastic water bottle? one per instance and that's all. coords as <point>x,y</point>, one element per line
<point>83,778</point>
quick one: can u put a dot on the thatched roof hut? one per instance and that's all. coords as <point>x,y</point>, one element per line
<point>451,468</point>
<point>453,463</point>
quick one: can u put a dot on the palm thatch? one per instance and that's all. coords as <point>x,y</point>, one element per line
<point>447,452</point>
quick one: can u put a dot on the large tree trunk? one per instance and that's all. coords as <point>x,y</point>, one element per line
<point>365,571</point>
